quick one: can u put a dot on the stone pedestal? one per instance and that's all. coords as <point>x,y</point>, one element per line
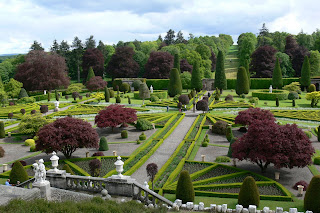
<point>120,185</point>
<point>56,109</point>
<point>57,178</point>
<point>45,190</point>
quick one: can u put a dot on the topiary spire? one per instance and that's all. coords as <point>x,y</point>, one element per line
<point>23,93</point>
<point>277,76</point>
<point>249,193</point>
<point>242,84</point>
<point>106,94</point>
<point>175,86</point>
<point>311,199</point>
<point>90,74</point>
<point>2,131</point>
<point>220,76</point>
<point>305,80</point>
<point>196,77</point>
<point>18,173</point>
<point>185,191</point>
<point>176,62</point>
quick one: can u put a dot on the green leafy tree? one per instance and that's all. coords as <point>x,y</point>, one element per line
<point>285,64</point>
<point>12,88</point>
<point>242,86</point>
<point>144,92</point>
<point>185,191</point>
<point>30,124</point>
<point>76,55</point>
<point>1,83</point>
<point>314,63</point>
<point>249,193</point>
<point>169,38</point>
<point>36,46</point>
<point>305,73</point>
<point>277,76</point>
<point>106,94</point>
<point>175,86</point>
<point>18,173</point>
<point>90,74</point>
<point>186,80</point>
<point>220,76</point>
<point>3,97</point>
<point>196,77</point>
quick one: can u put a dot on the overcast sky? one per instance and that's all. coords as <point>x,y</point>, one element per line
<point>23,21</point>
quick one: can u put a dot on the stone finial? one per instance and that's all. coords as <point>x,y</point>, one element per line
<point>178,202</point>
<point>252,209</point>
<point>195,207</point>
<point>224,208</point>
<point>266,209</point>
<point>119,166</point>
<point>239,208</point>
<point>201,206</point>
<point>293,210</point>
<point>190,205</point>
<point>279,210</point>
<point>146,185</point>
<point>218,208</point>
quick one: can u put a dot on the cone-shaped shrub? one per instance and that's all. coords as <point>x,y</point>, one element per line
<point>249,193</point>
<point>230,147</point>
<point>68,169</point>
<point>311,199</point>
<point>220,75</point>
<point>242,85</point>
<point>57,95</point>
<point>144,92</point>
<point>90,74</point>
<point>103,145</point>
<point>305,80</point>
<point>118,99</point>
<point>229,134</point>
<point>176,62</point>
<point>196,77</point>
<point>2,132</point>
<point>142,137</point>
<point>277,102</point>
<point>106,94</point>
<point>185,191</point>
<point>277,76</point>
<point>175,86</point>
<point>18,173</point>
<point>23,93</point>
<point>124,134</point>
<point>246,66</point>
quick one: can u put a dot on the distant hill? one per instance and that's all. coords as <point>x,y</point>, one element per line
<point>4,57</point>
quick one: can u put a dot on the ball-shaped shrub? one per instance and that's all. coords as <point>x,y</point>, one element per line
<point>136,84</point>
<point>118,99</point>
<point>143,124</point>
<point>204,144</point>
<point>249,193</point>
<point>22,111</point>
<point>312,88</point>
<point>103,144</point>
<point>316,160</point>
<point>138,141</point>
<point>124,134</point>
<point>154,98</point>
<point>18,173</point>
<point>302,183</point>
<point>311,198</point>
<point>80,97</point>
<point>10,115</point>
<point>75,95</point>
<point>29,142</point>
<point>98,154</point>
<point>125,87</point>
<point>293,95</point>
<point>179,105</point>
<point>254,100</point>
<point>33,111</point>
<point>33,148</point>
<point>242,96</point>
<point>95,166</point>
<point>184,99</point>
<point>228,98</point>
<point>142,137</point>
<point>202,105</point>
<point>1,152</point>
<point>66,97</point>
<point>111,93</point>
<point>67,168</point>
<point>222,159</point>
<point>220,127</point>
<point>184,190</point>
<point>44,108</point>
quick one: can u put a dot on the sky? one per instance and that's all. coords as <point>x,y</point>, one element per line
<point>23,21</point>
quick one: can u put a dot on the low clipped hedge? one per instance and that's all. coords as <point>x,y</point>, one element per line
<point>159,94</point>
<point>158,84</point>
<point>260,83</point>
<point>316,160</point>
<point>265,95</point>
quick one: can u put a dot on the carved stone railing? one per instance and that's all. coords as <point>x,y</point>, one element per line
<point>26,184</point>
<point>83,183</point>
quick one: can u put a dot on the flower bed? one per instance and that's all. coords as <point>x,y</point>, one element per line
<point>215,172</point>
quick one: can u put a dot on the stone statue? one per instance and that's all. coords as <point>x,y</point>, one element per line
<point>42,171</point>
<point>56,104</point>
<point>270,89</point>
<point>44,92</point>
<point>151,89</point>
<point>36,172</point>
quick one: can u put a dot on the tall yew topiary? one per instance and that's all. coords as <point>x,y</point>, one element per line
<point>2,131</point>
<point>175,86</point>
<point>196,76</point>
<point>185,191</point>
<point>246,65</point>
<point>311,199</point>
<point>18,173</point>
<point>144,92</point>
<point>176,62</point>
<point>305,80</point>
<point>249,193</point>
<point>103,144</point>
<point>106,94</point>
<point>220,76</point>
<point>277,76</point>
<point>90,74</point>
<point>23,93</point>
<point>57,95</point>
<point>242,85</point>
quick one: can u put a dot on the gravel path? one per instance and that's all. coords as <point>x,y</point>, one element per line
<point>169,145</point>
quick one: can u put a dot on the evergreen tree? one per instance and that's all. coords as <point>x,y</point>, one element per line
<point>2,131</point>
<point>277,76</point>
<point>1,83</point>
<point>169,38</point>
<point>106,94</point>
<point>246,65</point>
<point>249,193</point>
<point>90,74</point>
<point>175,86</point>
<point>220,77</point>
<point>311,199</point>
<point>242,85</point>
<point>103,144</point>
<point>185,191</point>
<point>305,74</point>
<point>18,173</point>
<point>23,93</point>
<point>176,62</point>
<point>55,47</point>
<point>144,92</point>
<point>196,77</point>
<point>57,95</point>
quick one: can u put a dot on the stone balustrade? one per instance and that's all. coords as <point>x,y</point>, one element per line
<point>26,184</point>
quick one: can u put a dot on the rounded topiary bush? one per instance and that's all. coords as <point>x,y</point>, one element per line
<point>276,93</point>
<point>143,124</point>
<point>311,198</point>
<point>44,108</point>
<point>302,183</point>
<point>33,148</point>
<point>136,84</point>
<point>154,98</point>
<point>22,111</point>
<point>1,152</point>
<point>95,166</point>
<point>125,87</point>
<point>103,144</point>
<point>204,144</point>
<point>118,99</point>
<point>33,111</point>
<point>67,168</point>
<point>316,160</point>
<point>312,88</point>
<point>293,95</point>
<point>29,142</point>
<point>111,93</point>
<point>228,98</point>
<point>184,99</point>
<point>124,134</point>
<point>138,141</point>
<point>142,137</point>
<point>185,191</point>
<point>249,193</point>
<point>98,154</point>
<point>222,159</point>
<point>220,127</point>
<point>18,173</point>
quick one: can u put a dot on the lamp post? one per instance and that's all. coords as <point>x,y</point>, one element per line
<point>55,161</point>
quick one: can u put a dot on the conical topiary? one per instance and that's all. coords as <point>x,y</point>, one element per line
<point>242,85</point>
<point>106,94</point>
<point>249,193</point>
<point>230,147</point>
<point>185,191</point>
<point>144,92</point>
<point>103,145</point>
<point>311,199</point>
<point>176,62</point>
<point>67,168</point>
<point>23,93</point>
<point>220,80</point>
<point>246,65</point>
<point>57,95</point>
<point>2,131</point>
<point>90,74</point>
<point>277,76</point>
<point>196,82</point>
<point>175,86</point>
<point>305,80</point>
<point>229,134</point>
<point>18,173</point>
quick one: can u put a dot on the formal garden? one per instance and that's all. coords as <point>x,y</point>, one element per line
<point>243,140</point>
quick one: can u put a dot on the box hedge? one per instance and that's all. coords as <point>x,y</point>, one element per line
<point>265,95</point>
<point>159,94</point>
<point>260,83</point>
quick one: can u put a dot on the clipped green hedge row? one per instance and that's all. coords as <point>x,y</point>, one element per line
<point>158,84</point>
<point>260,83</point>
<point>159,94</point>
<point>265,95</point>
<point>44,97</point>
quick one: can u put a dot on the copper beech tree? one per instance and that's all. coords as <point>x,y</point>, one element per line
<point>251,115</point>
<point>66,135</point>
<point>96,83</point>
<point>115,115</point>
<point>268,143</point>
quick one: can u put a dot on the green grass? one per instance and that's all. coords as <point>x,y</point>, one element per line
<point>219,145</point>
<point>231,202</point>
<point>231,68</point>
